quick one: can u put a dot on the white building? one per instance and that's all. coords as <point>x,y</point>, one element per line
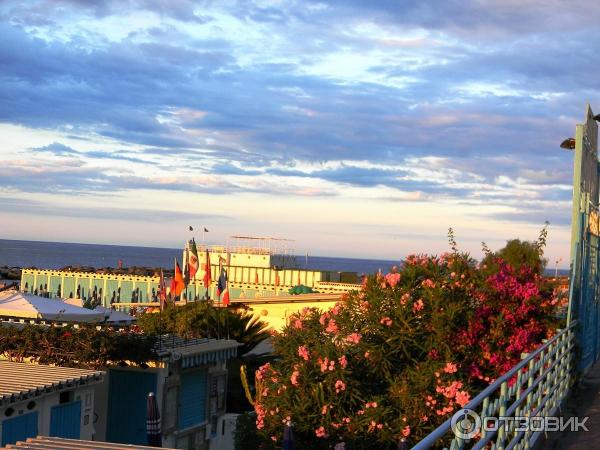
<point>45,400</point>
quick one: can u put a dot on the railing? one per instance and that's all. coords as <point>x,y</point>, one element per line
<point>535,387</point>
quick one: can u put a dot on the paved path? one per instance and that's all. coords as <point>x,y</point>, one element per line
<point>584,402</point>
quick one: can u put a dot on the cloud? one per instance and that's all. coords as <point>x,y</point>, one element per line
<point>37,208</point>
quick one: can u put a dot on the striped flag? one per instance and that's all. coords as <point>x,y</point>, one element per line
<point>222,290</point>
<point>193,260</point>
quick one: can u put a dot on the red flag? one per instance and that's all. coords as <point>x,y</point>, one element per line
<point>222,288</point>
<point>277,280</point>
<point>299,282</point>
<point>207,275</point>
<point>177,283</point>
<point>256,278</point>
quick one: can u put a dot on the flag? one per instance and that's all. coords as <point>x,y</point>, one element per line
<point>207,274</point>
<point>205,230</point>
<point>256,278</point>
<point>162,290</point>
<point>193,260</point>
<point>177,283</point>
<point>191,228</point>
<point>222,287</point>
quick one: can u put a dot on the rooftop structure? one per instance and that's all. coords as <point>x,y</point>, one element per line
<point>52,443</point>
<point>20,381</point>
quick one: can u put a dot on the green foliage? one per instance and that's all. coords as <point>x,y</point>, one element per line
<point>246,436</point>
<point>397,358</point>
<point>198,319</point>
<point>518,254</point>
<point>75,347</point>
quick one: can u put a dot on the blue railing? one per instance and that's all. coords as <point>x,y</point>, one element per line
<point>535,387</point>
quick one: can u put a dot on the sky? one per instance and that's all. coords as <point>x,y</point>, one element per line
<point>354,128</point>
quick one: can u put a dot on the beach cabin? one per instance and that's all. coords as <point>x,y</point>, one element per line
<point>189,378</point>
<point>45,400</point>
<point>51,443</point>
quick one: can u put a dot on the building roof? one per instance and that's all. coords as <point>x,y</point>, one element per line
<point>51,443</point>
<point>29,306</point>
<point>20,381</point>
<point>195,352</point>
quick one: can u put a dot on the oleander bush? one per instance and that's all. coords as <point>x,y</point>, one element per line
<point>394,360</point>
<point>85,346</point>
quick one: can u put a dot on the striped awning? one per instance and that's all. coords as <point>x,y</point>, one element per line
<point>200,359</point>
<point>196,352</point>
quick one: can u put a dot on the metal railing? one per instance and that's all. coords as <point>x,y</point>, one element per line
<point>535,387</point>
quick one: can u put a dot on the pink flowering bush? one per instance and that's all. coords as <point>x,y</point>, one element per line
<point>397,358</point>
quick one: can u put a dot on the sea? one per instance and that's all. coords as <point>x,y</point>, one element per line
<point>55,255</point>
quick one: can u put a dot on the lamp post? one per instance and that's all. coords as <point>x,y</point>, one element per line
<point>556,267</point>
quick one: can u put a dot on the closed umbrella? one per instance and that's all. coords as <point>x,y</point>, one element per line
<point>288,437</point>
<point>153,422</point>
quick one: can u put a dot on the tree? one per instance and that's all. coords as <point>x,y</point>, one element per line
<point>197,320</point>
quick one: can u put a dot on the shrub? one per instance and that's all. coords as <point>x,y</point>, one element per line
<point>394,360</point>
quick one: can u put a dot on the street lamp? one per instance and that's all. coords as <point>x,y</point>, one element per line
<point>556,267</point>
<point>568,144</point>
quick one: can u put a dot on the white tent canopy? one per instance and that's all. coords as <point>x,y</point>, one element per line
<point>114,316</point>
<point>111,316</point>
<point>28,306</point>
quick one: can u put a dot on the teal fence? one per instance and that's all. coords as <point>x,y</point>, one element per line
<point>536,387</point>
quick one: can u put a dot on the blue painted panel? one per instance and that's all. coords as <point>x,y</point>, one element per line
<point>127,396</point>
<point>65,420</point>
<point>192,398</point>
<point>19,428</point>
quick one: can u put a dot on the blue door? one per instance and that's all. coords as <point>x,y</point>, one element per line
<point>127,396</point>
<point>19,428</point>
<point>65,420</point>
<point>192,398</point>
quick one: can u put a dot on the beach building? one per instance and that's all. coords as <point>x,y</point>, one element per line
<point>52,443</point>
<point>189,378</point>
<point>256,267</point>
<point>45,400</point>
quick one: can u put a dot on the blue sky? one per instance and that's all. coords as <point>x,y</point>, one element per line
<point>355,128</point>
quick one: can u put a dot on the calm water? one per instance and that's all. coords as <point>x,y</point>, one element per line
<point>54,255</point>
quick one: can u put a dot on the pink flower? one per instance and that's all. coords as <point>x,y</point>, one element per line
<point>450,368</point>
<point>323,318</point>
<point>406,431</point>
<point>332,327</point>
<point>354,338</point>
<point>418,305</point>
<point>392,279</point>
<point>298,324</point>
<point>273,438</point>
<point>324,409</point>
<point>367,354</point>
<point>294,378</point>
<point>386,321</point>
<point>320,432</point>
<point>428,283</point>
<point>303,352</point>
<point>379,426</point>
<point>462,398</point>
<point>340,386</point>
<point>405,297</point>
<point>343,361</point>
